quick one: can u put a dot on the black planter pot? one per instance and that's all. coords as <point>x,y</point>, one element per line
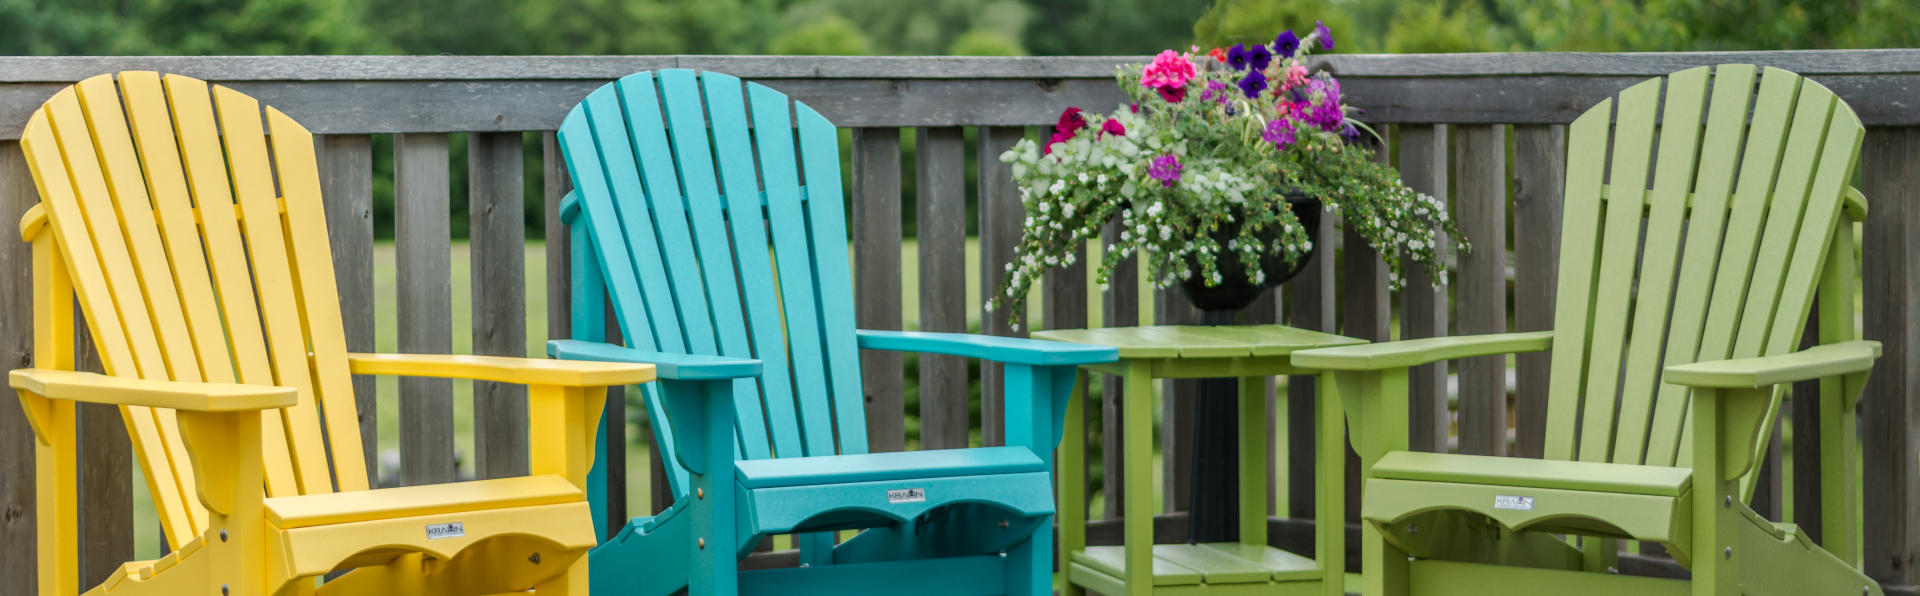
<point>1235,291</point>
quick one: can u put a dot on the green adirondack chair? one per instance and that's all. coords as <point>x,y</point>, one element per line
<point>741,293</point>
<point>1681,304</point>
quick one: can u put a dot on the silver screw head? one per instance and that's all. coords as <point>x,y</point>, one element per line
<point>223,590</point>
<point>1727,502</point>
<point>223,535</point>
<point>535,558</point>
<point>1728,553</point>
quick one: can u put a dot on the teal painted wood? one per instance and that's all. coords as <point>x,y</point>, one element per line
<point>710,212</point>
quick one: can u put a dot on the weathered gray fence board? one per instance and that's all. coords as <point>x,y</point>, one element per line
<point>18,516</point>
<point>1000,216</point>
<point>877,290</point>
<point>940,186</point>
<point>1891,163</point>
<point>1310,305</point>
<point>496,225</point>
<point>106,467</point>
<point>1480,206</point>
<point>346,185</point>
<point>1423,164</point>
<point>1177,398</point>
<point>1539,172</point>
<point>422,250</point>
<point>1121,304</point>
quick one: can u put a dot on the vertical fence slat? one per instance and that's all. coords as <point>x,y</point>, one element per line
<point>877,290</point>
<point>106,469</point>
<point>422,248</point>
<point>940,187</point>
<point>1366,313</point>
<point>18,545</point>
<point>1000,217</point>
<point>1423,164</point>
<point>1309,303</point>
<point>1889,415</point>
<point>1539,178</point>
<point>1177,397</point>
<point>1121,304</point>
<point>1480,207</point>
<point>497,232</point>
<point>346,182</point>
<point>1806,442</point>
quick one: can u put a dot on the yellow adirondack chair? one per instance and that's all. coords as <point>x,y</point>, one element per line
<point>196,244</point>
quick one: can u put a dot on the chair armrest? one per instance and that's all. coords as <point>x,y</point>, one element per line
<point>525,371</point>
<point>67,385</point>
<point>1749,373</point>
<point>1010,350</point>
<point>1415,352</point>
<point>679,367</point>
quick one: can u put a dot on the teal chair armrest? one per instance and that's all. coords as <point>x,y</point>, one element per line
<point>1009,350</point>
<point>1415,352</point>
<point>679,367</point>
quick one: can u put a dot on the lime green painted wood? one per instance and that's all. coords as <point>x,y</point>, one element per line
<point>1112,560</point>
<point>1215,567</point>
<point>1253,460</point>
<point>1414,352</point>
<point>1137,529</point>
<point>1446,578</point>
<point>1534,473</point>
<point>1817,362</point>
<point>1284,565</point>
<point>1679,140</point>
<point>1687,271</point>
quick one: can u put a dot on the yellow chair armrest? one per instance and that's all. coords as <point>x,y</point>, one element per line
<point>96,388</point>
<point>526,371</point>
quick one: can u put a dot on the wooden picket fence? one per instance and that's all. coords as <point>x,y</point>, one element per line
<point>1483,131</point>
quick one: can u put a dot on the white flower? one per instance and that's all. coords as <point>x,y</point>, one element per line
<point>1166,232</point>
<point>1151,210</point>
<point>1083,177</point>
<point>1066,210</point>
<point>1069,258</point>
<point>989,307</point>
<point>1102,179</point>
<point>1058,185</point>
<point>1046,207</point>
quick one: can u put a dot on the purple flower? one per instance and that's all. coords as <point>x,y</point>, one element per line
<point>1286,44</point>
<point>1327,116</point>
<point>1216,91</point>
<point>1278,132</point>
<point>1253,83</point>
<point>1258,57</point>
<point>1350,132</point>
<point>1326,35</point>
<point>1166,169</point>
<point>1238,57</point>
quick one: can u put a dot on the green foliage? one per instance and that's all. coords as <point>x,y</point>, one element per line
<point>981,42</point>
<point>1257,21</point>
<point>831,35</point>
<point>1111,27</point>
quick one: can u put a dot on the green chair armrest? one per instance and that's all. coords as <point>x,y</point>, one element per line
<point>1415,352</point>
<point>67,385</point>
<point>524,371</point>
<point>1010,350</point>
<point>1750,373</point>
<point>679,367</point>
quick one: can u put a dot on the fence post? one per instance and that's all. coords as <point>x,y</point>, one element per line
<point>877,290</point>
<point>1481,209</point>
<point>422,247</point>
<point>18,543</point>
<point>1888,413</point>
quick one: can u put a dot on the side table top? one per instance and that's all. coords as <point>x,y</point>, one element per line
<point>1200,341</point>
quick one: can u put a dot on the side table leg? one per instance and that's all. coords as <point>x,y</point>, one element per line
<point>1253,461</point>
<point>1073,484</point>
<point>1138,538</point>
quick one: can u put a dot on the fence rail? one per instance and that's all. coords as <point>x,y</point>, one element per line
<point>1484,131</point>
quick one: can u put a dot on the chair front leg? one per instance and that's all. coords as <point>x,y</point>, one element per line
<point>706,449</point>
<point>1037,403</point>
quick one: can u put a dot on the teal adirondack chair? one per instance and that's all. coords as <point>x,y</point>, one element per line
<point>1680,307</point>
<point>741,294</point>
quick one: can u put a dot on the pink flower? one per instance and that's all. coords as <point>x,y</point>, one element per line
<point>1167,70</point>
<point>1114,127</point>
<point>1070,121</point>
<point>1296,76</point>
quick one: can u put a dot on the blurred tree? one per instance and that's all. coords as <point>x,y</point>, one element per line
<point>1258,21</point>
<point>1111,27</point>
<point>926,27</point>
<point>830,35</point>
<point>981,42</point>
<point>96,27</point>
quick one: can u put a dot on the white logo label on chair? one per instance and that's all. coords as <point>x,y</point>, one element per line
<point>907,495</point>
<point>1513,502</point>
<point>452,530</point>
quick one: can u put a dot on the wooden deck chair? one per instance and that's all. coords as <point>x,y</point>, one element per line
<point>195,241</point>
<point>1704,211</point>
<point>711,212</point>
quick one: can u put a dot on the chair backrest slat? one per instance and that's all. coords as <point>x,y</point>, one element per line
<point>1649,280</point>
<point>710,218</point>
<point>198,253</point>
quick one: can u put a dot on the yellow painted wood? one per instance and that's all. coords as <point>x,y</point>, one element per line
<point>313,278</point>
<point>572,373</point>
<point>253,187</point>
<point>432,499</point>
<point>194,241</point>
<point>103,389</point>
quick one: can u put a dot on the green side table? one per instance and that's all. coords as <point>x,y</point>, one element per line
<point>1249,566</point>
